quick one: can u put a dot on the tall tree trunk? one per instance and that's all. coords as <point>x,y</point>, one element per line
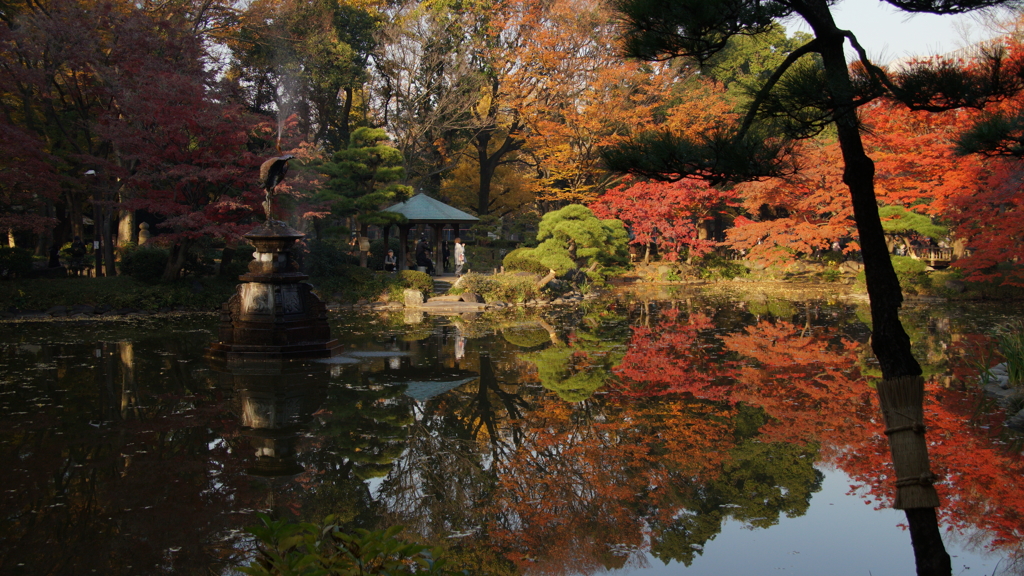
<point>901,391</point>
<point>75,214</point>
<point>108,242</point>
<point>483,193</point>
<point>364,231</point>
<point>176,260</point>
<point>97,238</point>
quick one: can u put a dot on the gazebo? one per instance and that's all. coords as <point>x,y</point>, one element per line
<point>422,209</point>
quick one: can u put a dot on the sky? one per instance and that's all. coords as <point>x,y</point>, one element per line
<point>888,33</point>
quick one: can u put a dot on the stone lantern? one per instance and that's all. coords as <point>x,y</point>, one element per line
<point>274,315</point>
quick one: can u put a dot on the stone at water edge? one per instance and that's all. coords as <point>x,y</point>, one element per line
<point>412,298</point>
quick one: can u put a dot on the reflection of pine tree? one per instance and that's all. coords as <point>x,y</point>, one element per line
<point>579,367</point>
<point>758,483</point>
<point>361,430</point>
<point>438,486</point>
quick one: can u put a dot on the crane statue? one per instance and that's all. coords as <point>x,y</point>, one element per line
<point>272,172</point>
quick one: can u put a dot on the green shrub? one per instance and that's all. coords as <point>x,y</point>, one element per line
<point>714,266</point>
<point>145,263</point>
<point>409,279</point>
<point>15,262</point>
<point>293,549</point>
<point>530,336</point>
<point>509,287</point>
<point>831,275</point>
<point>912,274</point>
<point>831,258</point>
<point>1011,344</point>
<point>520,259</point>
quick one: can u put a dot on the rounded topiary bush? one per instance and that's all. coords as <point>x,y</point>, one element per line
<point>521,259</point>
<point>416,279</point>
<point>145,264</point>
<point>15,262</point>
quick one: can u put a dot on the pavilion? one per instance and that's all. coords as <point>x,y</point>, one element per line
<point>422,209</point>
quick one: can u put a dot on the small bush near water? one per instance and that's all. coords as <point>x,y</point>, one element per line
<point>352,283</point>
<point>293,549</point>
<point>145,263</point>
<point>15,262</point>
<point>507,287</point>
<point>1011,343</point>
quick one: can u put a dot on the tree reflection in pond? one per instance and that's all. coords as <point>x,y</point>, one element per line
<point>622,434</point>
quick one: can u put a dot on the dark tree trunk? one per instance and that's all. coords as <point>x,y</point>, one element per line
<point>226,257</point>
<point>364,231</point>
<point>901,392</point>
<point>176,260</point>
<point>108,242</point>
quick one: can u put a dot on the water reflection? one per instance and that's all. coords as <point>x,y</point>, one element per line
<point>624,434</point>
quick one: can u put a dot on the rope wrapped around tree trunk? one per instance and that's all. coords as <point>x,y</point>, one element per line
<point>902,401</point>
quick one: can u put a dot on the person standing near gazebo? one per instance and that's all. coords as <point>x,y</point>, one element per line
<point>460,256</point>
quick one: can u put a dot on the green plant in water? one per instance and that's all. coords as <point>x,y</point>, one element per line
<point>1010,340</point>
<point>293,549</point>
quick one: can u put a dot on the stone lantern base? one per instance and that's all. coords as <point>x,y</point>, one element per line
<point>274,315</point>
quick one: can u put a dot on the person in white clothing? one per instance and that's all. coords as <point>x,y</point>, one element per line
<point>460,256</point>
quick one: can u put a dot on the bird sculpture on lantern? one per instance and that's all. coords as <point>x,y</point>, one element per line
<point>272,172</point>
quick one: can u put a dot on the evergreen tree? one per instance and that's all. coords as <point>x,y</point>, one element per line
<point>365,178</point>
<point>573,237</point>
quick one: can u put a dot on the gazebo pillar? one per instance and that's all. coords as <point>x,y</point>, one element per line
<point>438,260</point>
<point>403,245</point>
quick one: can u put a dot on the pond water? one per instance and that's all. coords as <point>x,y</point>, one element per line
<point>675,433</point>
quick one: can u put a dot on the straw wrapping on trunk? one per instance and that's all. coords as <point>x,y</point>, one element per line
<point>902,401</point>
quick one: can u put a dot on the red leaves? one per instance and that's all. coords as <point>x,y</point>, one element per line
<point>670,215</point>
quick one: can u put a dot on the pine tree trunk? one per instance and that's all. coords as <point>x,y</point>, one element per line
<point>108,242</point>
<point>901,393</point>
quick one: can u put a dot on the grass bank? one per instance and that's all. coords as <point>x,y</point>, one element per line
<point>350,284</point>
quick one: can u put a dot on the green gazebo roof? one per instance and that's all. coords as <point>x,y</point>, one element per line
<point>424,209</point>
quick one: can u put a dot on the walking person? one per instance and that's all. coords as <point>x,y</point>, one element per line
<point>460,256</point>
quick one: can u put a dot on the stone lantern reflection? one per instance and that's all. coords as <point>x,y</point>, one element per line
<point>274,407</point>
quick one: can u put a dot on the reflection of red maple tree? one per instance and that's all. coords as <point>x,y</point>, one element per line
<point>979,474</point>
<point>810,386</point>
<point>807,382</point>
<point>671,358</point>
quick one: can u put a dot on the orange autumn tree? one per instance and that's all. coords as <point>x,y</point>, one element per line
<point>980,198</point>
<point>587,480</point>
<point>796,215</point>
<point>590,97</point>
<point>551,89</point>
